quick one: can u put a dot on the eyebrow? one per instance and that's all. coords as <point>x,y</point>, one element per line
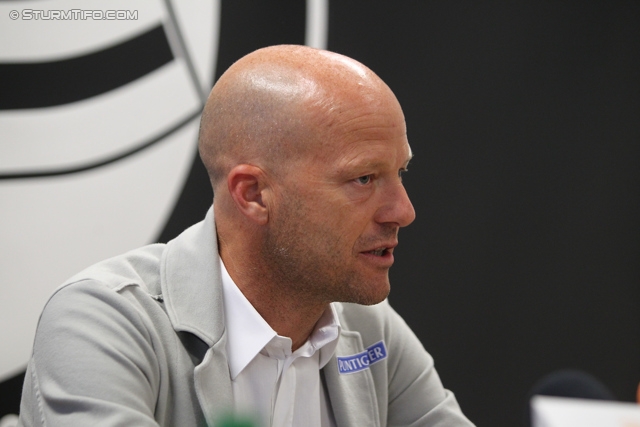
<point>379,164</point>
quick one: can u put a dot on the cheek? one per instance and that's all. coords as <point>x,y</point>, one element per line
<point>348,226</point>
<point>335,218</point>
<point>358,194</point>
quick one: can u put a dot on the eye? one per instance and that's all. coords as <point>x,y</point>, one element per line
<point>364,180</point>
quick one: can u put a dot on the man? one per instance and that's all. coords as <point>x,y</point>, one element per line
<point>274,306</point>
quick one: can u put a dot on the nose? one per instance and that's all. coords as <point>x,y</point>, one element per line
<point>397,208</point>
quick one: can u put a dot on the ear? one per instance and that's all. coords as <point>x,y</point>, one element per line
<point>247,186</point>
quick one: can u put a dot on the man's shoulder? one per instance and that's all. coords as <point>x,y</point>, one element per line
<point>120,293</point>
<point>139,267</point>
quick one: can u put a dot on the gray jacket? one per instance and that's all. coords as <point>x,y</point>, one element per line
<point>139,340</point>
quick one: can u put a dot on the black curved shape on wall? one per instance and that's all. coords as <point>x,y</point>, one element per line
<point>45,84</point>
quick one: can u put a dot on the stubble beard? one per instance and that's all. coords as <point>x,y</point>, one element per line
<point>303,259</point>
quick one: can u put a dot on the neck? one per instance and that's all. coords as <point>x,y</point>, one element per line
<point>287,316</point>
<point>289,313</point>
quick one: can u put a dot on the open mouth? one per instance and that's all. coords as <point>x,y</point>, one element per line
<point>379,251</point>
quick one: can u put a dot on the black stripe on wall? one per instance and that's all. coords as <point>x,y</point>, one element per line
<point>45,84</point>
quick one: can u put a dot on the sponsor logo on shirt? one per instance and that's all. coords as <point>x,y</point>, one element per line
<point>361,361</point>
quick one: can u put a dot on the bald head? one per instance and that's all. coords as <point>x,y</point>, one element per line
<point>305,149</point>
<point>277,104</point>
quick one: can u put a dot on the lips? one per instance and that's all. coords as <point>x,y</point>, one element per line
<point>382,249</point>
<point>380,257</point>
<point>378,252</point>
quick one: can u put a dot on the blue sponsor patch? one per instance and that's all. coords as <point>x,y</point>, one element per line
<point>361,361</point>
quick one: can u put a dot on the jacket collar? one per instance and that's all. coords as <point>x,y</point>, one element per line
<point>192,289</point>
<point>191,282</point>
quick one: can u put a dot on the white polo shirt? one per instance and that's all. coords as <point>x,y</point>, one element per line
<point>269,382</point>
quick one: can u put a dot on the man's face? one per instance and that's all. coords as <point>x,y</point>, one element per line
<point>338,212</point>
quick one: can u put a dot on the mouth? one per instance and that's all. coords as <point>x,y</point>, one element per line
<point>380,251</point>
<point>381,256</point>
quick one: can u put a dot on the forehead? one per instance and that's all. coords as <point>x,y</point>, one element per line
<point>367,131</point>
<point>365,157</point>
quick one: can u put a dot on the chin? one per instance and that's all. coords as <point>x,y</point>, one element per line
<point>372,301</point>
<point>366,294</point>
